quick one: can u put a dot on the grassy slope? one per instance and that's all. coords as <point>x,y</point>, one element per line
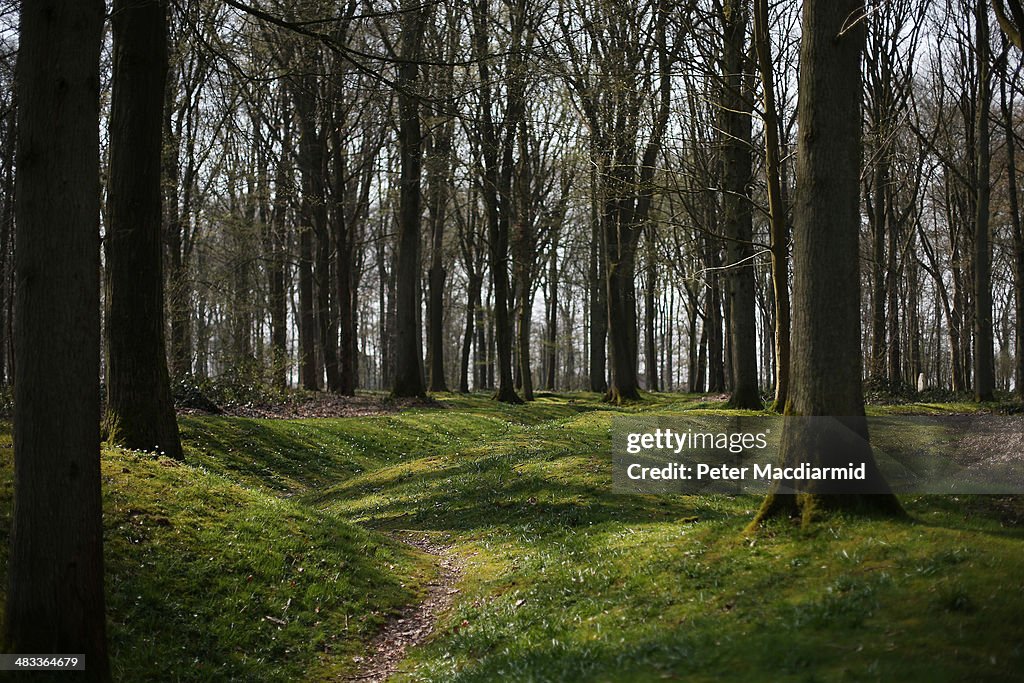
<point>564,580</point>
<point>211,580</point>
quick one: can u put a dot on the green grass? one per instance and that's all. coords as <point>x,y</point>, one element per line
<point>210,580</point>
<point>563,580</point>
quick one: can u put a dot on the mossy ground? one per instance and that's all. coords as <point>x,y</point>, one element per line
<point>563,580</point>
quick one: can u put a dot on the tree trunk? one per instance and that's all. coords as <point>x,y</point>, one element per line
<point>178,289</point>
<point>778,225</point>
<point>714,328</point>
<point>436,275</point>
<point>309,370</point>
<point>620,244</point>
<point>826,293</point>
<point>598,305</point>
<point>140,413</point>
<point>326,281</point>
<point>278,292</point>
<point>408,352</point>
<point>651,309</point>
<point>7,181</point>
<point>984,363</point>
<point>551,350</point>
<point>472,305</point>
<point>385,307</point>
<point>55,600</point>
<point>1018,239</point>
<point>483,345</point>
<point>315,243</point>
<point>343,227</point>
<point>737,177</point>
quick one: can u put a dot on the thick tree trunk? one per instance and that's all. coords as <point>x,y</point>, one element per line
<point>826,294</point>
<point>315,244</point>
<point>309,367</point>
<point>55,600</point>
<point>523,341</point>
<point>984,362</point>
<point>737,177</point>
<point>1018,240</point>
<point>498,233</point>
<point>620,237</point>
<point>914,330</point>
<point>408,353</point>
<point>140,413</point>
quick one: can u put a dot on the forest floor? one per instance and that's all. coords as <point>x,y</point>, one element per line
<point>275,552</point>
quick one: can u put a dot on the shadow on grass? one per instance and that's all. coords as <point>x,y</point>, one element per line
<point>976,514</point>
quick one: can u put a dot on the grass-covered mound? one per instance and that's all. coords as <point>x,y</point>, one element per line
<point>210,580</point>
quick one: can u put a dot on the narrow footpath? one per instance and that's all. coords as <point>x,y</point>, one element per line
<point>416,623</point>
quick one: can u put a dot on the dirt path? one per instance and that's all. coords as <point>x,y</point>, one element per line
<point>414,624</point>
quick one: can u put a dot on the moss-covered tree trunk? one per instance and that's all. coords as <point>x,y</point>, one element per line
<point>139,413</point>
<point>826,365</point>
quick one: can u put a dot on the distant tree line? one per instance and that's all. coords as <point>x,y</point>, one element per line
<point>510,195</point>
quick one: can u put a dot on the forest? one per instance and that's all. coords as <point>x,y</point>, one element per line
<point>319,322</point>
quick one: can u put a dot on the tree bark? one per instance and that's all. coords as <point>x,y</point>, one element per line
<point>439,181</point>
<point>140,413</point>
<point>551,347</point>
<point>737,177</point>
<point>778,223</point>
<point>826,294</point>
<point>472,306</point>
<point>277,267</point>
<point>309,367</point>
<point>55,599</point>
<point>598,361</point>
<point>408,352</point>
<point>984,362</point>
<point>7,181</point>
<point>651,309</point>
<point>1018,235</point>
